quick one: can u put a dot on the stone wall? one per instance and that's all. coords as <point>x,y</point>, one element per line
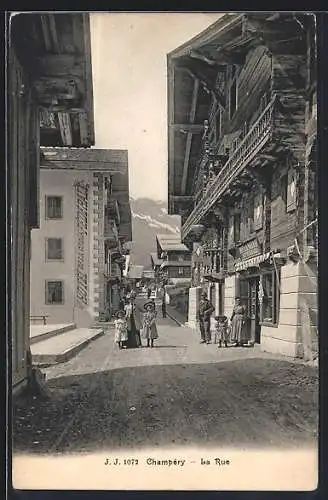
<point>229,295</point>
<point>298,293</point>
<point>194,297</point>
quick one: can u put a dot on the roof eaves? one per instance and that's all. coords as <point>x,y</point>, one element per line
<point>226,22</point>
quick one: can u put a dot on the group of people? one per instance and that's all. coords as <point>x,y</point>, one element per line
<point>235,333</point>
<point>131,326</point>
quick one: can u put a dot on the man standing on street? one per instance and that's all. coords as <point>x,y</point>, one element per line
<point>163,307</point>
<point>205,311</point>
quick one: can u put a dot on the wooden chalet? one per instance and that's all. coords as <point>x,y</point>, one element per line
<point>175,257</point>
<point>50,102</point>
<point>242,168</point>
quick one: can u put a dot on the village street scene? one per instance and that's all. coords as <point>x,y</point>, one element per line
<point>163,223</point>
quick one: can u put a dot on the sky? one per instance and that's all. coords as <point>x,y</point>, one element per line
<point>129,84</point>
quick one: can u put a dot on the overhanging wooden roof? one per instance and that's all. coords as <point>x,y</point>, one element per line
<point>171,242</point>
<point>54,49</point>
<point>192,71</point>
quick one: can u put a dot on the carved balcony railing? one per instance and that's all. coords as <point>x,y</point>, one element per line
<point>257,137</point>
<point>114,265</point>
<point>110,230</point>
<point>112,210</point>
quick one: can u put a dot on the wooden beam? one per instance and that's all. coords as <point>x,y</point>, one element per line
<point>83,122</point>
<point>194,101</point>
<point>60,65</point>
<point>198,55</point>
<point>185,197</point>
<point>186,163</point>
<point>189,137</point>
<point>188,127</point>
<point>88,95</point>
<point>45,32</point>
<point>65,128</point>
<point>113,168</point>
<point>53,31</point>
<point>186,70</point>
<point>52,108</point>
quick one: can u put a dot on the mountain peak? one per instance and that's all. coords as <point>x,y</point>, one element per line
<point>149,218</point>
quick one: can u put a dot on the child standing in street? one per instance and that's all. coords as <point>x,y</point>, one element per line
<point>221,330</point>
<point>149,330</point>
<point>121,329</point>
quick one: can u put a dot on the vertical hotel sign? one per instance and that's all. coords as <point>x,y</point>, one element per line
<point>82,243</point>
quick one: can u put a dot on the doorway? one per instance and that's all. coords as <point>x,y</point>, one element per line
<point>249,298</point>
<point>254,309</point>
<point>221,298</point>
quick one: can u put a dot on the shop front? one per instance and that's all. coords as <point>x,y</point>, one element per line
<point>258,286</point>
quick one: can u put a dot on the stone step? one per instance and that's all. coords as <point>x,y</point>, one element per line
<point>106,325</point>
<point>61,348</point>
<point>38,333</point>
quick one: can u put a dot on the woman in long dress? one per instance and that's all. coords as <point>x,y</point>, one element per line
<point>238,324</point>
<point>149,329</point>
<point>133,323</point>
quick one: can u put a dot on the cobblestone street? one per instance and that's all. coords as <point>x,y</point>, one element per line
<point>179,392</point>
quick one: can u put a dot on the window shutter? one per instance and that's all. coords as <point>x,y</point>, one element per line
<point>258,212</point>
<point>291,191</point>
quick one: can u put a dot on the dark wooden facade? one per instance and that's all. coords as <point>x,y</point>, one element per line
<point>244,83</point>
<point>175,258</point>
<point>36,45</point>
<point>241,140</point>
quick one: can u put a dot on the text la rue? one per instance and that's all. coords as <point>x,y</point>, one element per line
<point>215,461</point>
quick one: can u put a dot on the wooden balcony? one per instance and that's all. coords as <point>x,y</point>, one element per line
<point>113,266</point>
<point>112,210</point>
<point>110,230</point>
<point>258,136</point>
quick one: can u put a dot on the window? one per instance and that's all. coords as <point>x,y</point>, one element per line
<point>54,249</point>
<point>243,294</point>
<point>251,215</point>
<point>236,228</point>
<point>258,212</point>
<point>54,207</point>
<point>269,291</point>
<point>180,270</point>
<point>267,304</point>
<point>291,191</point>
<point>54,292</point>
<point>284,188</point>
<point>218,265</point>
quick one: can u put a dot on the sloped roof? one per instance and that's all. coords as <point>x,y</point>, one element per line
<point>155,259</point>
<point>171,242</point>
<point>135,272</point>
<point>148,274</point>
